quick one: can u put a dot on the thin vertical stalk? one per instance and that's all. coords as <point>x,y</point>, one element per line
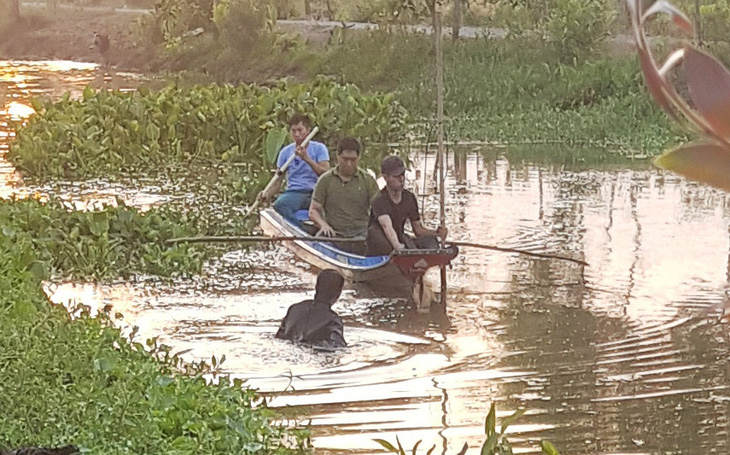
<point>440,128</point>
<point>456,26</point>
<point>698,23</point>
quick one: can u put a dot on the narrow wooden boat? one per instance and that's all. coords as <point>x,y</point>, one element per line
<point>400,270</point>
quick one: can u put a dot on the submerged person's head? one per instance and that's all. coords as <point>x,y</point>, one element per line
<point>329,286</point>
<point>348,156</point>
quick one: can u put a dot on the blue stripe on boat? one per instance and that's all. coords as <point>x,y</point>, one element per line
<point>342,258</point>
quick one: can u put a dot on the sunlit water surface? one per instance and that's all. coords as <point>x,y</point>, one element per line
<point>626,356</point>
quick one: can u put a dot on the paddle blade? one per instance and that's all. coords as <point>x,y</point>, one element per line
<point>709,88</point>
<point>272,144</point>
<point>706,162</point>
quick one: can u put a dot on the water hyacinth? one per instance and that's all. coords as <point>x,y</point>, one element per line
<point>708,108</point>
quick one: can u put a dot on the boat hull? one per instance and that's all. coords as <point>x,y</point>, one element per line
<point>396,273</point>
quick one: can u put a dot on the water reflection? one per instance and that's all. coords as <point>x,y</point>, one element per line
<point>624,356</point>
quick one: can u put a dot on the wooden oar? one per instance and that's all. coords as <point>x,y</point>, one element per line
<point>513,250</point>
<point>279,174</point>
<point>262,238</point>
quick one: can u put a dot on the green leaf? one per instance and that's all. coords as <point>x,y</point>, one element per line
<point>386,445</point>
<point>39,270</point>
<point>37,104</point>
<point>511,419</point>
<point>505,448</point>
<point>490,444</point>
<point>704,162</point>
<point>88,93</point>
<point>103,364</point>
<point>164,381</point>
<point>99,223</point>
<point>272,144</point>
<point>400,446</point>
<point>490,423</point>
<point>548,448</point>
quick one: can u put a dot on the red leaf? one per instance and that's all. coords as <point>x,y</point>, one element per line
<point>709,88</point>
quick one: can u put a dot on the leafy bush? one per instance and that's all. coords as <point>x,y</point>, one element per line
<point>80,382</point>
<point>115,241</point>
<point>171,19</point>
<point>578,27</point>
<point>107,133</point>
<point>245,24</point>
<point>715,20</point>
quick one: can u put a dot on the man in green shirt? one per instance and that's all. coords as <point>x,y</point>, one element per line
<point>341,200</point>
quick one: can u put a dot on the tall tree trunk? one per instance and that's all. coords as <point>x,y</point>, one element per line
<point>14,7</point>
<point>698,22</point>
<point>307,8</point>
<point>456,26</point>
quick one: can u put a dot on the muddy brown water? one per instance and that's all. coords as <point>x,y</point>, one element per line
<point>626,356</point>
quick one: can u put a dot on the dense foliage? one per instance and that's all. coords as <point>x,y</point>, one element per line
<point>512,90</point>
<point>115,241</point>
<point>80,382</point>
<point>106,133</point>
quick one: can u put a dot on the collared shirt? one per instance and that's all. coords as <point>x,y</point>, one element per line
<point>299,175</point>
<point>346,203</point>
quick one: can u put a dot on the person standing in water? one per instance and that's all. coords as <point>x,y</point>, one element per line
<point>313,321</point>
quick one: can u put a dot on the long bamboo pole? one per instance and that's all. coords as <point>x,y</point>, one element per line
<point>516,251</point>
<point>291,238</point>
<point>260,238</point>
<point>440,126</point>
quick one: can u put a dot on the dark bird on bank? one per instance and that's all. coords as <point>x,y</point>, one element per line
<point>40,451</point>
<point>101,43</point>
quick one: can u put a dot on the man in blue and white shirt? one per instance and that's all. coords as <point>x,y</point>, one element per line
<point>302,173</point>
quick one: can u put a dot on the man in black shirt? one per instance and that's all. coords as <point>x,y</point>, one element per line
<point>313,321</point>
<point>389,211</point>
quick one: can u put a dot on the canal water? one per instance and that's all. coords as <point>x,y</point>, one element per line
<point>628,355</point>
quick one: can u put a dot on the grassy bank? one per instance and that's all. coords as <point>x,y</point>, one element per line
<point>514,90</point>
<point>79,381</point>
<point>510,91</point>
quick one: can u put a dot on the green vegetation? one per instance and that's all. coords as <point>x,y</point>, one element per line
<point>80,382</point>
<point>108,243</point>
<point>555,78</point>
<point>495,444</point>
<point>107,133</point>
<point>510,91</point>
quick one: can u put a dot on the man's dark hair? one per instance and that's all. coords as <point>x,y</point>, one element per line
<point>348,143</point>
<point>296,119</point>
<point>329,285</point>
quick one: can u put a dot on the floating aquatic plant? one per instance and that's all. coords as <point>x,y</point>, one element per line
<point>707,111</point>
